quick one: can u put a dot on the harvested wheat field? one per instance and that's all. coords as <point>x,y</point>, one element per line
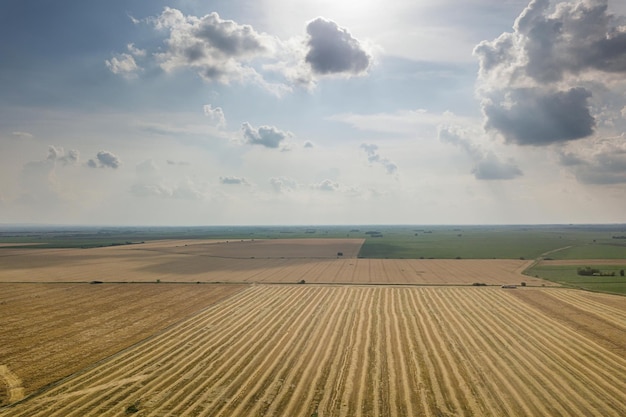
<point>271,261</point>
<point>279,350</point>
<point>50,331</point>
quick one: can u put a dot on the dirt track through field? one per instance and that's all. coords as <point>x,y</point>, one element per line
<point>358,351</point>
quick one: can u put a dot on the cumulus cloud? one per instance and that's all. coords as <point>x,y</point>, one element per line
<point>234,181</point>
<point>123,64</point>
<point>215,115</point>
<point>105,159</point>
<point>536,82</point>
<point>283,184</point>
<point>333,50</point>
<point>268,136</point>
<point>58,154</point>
<point>374,158</point>
<point>309,144</point>
<point>326,185</point>
<point>135,51</point>
<point>219,50</point>
<point>487,165</point>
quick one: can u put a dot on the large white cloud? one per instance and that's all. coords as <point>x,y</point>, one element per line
<point>537,83</point>
<point>219,50</point>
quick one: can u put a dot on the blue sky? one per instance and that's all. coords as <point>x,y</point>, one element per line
<point>312,112</point>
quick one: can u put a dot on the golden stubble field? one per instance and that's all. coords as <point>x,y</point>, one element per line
<point>284,350</point>
<point>271,347</point>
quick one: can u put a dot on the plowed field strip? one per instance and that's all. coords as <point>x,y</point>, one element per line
<point>413,367</point>
<point>576,362</point>
<point>226,369</point>
<point>610,333</point>
<point>491,387</point>
<point>349,397</point>
<point>312,362</point>
<point>581,301</point>
<point>501,371</point>
<point>532,365</point>
<point>401,398</point>
<point>448,373</point>
<point>269,373</point>
<point>330,403</point>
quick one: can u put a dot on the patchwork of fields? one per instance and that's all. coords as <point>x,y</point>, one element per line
<point>361,337</point>
<point>360,351</point>
<point>273,261</point>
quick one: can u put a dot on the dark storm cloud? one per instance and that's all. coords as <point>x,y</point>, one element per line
<point>535,117</point>
<point>105,159</point>
<point>267,136</point>
<point>333,50</point>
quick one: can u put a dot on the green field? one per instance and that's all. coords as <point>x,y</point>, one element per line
<point>501,242</point>
<point>567,275</point>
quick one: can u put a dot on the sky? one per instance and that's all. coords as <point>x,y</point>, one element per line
<point>260,112</point>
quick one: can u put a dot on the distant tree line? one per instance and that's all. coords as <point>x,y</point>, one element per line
<point>588,271</point>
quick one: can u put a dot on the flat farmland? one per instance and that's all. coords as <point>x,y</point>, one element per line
<point>271,261</point>
<point>50,331</point>
<point>285,350</point>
